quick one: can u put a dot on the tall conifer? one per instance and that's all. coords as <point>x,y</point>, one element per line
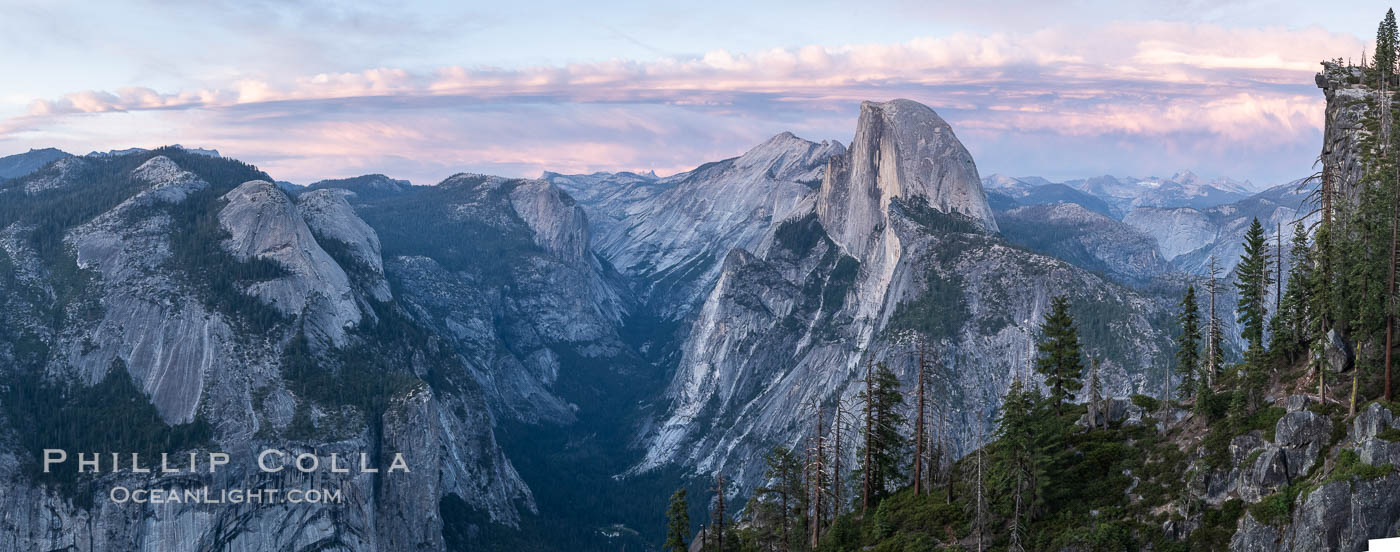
<point>1060,359</point>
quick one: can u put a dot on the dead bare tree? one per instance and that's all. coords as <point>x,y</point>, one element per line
<point>719,512</point>
<point>981,446</point>
<point>869,434</point>
<point>818,470</point>
<point>845,414</point>
<point>1278,282</point>
<point>1213,328</point>
<point>1094,395</point>
<point>919,425</point>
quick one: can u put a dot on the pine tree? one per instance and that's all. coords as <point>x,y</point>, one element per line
<point>1188,354</point>
<point>784,472</point>
<point>1384,61</point>
<point>1252,280</point>
<point>678,523</point>
<point>1060,359</point>
<point>885,443</point>
<point>1020,470</point>
<point>1290,330</point>
<point>1387,35</point>
<point>1239,408</point>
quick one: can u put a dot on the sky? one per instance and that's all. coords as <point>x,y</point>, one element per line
<point>318,89</point>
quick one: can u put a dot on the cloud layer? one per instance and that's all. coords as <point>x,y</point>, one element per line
<point>1054,102</point>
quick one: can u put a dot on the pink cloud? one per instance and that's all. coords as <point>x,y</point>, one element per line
<point>1150,80</point>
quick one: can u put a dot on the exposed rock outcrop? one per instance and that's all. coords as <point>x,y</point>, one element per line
<point>137,304</point>
<point>263,223</point>
<point>670,235</point>
<point>901,149</point>
<point>330,216</point>
<point>166,337</point>
<point>1344,128</point>
<point>792,322</point>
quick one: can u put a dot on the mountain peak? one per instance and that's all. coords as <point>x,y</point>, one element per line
<point>791,158</point>
<point>901,149</point>
<point>1185,176</point>
<point>21,164</point>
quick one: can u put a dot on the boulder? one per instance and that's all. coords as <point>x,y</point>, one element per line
<point>1113,410</point>
<point>1319,521</point>
<point>1337,352</point>
<point>1344,515</point>
<point>1244,445</point>
<point>1370,422</point>
<point>1268,473</point>
<point>1295,403</point>
<point>1301,436</point>
<point>1365,436</point>
<point>1254,536</point>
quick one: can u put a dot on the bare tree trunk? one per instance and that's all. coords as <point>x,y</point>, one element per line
<point>1390,291</point>
<point>836,464</point>
<point>1093,405</point>
<point>981,445</point>
<point>807,484</point>
<point>919,428</point>
<point>783,496</point>
<point>1321,377</point>
<point>719,513</point>
<point>866,472</point>
<point>1212,327</point>
<point>816,489</point>
<point>930,464</point>
<point>946,450</point>
<point>1167,388</point>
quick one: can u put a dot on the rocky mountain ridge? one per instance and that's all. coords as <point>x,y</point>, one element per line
<point>489,313</point>
<point>792,321</point>
<point>137,299</point>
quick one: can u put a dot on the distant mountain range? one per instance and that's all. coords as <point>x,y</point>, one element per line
<point>1189,218</point>
<point>1119,195</point>
<point>558,354</point>
<point>20,164</point>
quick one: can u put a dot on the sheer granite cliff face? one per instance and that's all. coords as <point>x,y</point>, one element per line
<point>793,321</point>
<point>1349,105</point>
<point>330,216</point>
<point>901,149</point>
<point>171,342</point>
<point>128,298</point>
<point>263,222</point>
<point>670,234</point>
<point>503,269</point>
